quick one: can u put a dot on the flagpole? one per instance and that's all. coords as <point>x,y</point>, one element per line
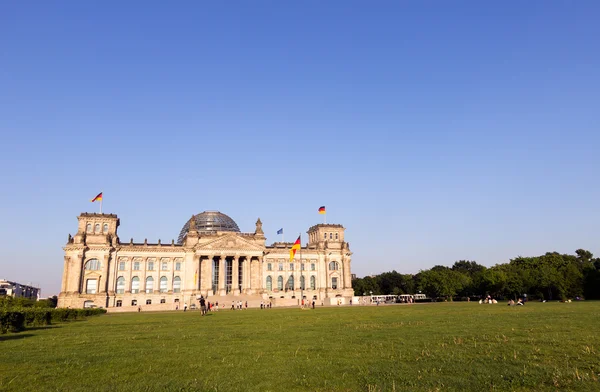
<point>101,204</point>
<point>301,288</point>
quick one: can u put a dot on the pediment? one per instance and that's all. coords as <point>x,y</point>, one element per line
<point>229,243</point>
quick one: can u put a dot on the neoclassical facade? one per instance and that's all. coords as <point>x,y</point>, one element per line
<point>211,258</point>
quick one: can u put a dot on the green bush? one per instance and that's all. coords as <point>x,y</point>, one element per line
<point>37,317</point>
<point>13,321</point>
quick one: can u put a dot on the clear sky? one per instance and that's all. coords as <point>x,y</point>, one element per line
<point>433,131</point>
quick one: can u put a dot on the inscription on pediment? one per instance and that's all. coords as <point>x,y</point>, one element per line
<point>229,243</point>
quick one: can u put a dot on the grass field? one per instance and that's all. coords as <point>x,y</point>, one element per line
<point>424,347</point>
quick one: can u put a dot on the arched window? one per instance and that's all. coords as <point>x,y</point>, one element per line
<point>97,228</point>
<point>269,283</point>
<point>149,284</point>
<point>302,283</point>
<point>163,284</point>
<point>325,236</point>
<point>336,236</point>
<point>269,267</point>
<point>120,285</point>
<point>90,286</point>
<point>135,285</point>
<point>333,266</point>
<point>105,228</point>
<point>290,283</point>
<point>280,282</point>
<point>330,236</point>
<point>176,284</point>
<point>88,228</point>
<point>313,283</point>
<point>92,265</point>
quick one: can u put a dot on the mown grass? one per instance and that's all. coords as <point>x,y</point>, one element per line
<point>428,347</point>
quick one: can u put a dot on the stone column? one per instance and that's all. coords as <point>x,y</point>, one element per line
<point>112,270</point>
<point>246,269</point>
<point>63,286</point>
<point>77,283</point>
<point>235,275</point>
<point>103,281</point>
<point>222,273</point>
<point>206,275</point>
<point>249,284</point>
<point>347,275</point>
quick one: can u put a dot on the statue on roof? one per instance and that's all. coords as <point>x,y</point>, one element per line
<point>259,229</point>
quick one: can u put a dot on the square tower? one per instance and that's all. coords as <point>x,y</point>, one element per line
<point>330,234</point>
<point>96,229</point>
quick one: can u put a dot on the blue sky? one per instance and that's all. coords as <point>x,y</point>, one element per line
<point>433,131</point>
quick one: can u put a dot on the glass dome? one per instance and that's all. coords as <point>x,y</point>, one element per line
<point>209,222</point>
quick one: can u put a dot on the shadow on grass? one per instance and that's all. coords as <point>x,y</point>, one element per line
<point>15,336</point>
<point>41,327</point>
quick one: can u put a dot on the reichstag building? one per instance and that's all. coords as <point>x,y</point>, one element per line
<point>211,258</point>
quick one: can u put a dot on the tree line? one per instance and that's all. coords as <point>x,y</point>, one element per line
<point>551,276</point>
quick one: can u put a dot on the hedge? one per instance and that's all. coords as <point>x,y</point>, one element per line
<point>16,320</point>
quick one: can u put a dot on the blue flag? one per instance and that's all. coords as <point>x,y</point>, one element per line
<point>280,231</point>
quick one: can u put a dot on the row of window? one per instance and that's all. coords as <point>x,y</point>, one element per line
<point>331,236</point>
<point>148,302</point>
<point>289,285</point>
<point>333,266</point>
<point>95,265</point>
<point>97,228</point>
<point>164,266</point>
<point>91,286</point>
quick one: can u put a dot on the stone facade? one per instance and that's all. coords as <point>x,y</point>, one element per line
<point>211,259</point>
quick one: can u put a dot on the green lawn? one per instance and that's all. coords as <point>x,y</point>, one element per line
<point>425,347</point>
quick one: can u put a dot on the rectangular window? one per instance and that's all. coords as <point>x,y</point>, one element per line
<point>163,301</point>
<point>121,266</point>
<point>151,266</point>
<point>136,266</point>
<point>312,266</point>
<point>133,302</point>
<point>280,266</point>
<point>177,266</point>
<point>269,268</point>
<point>176,300</point>
<point>91,286</point>
<point>119,303</point>
<point>302,266</point>
<point>330,236</point>
<point>164,265</point>
<point>325,236</point>
<point>334,283</point>
<point>148,302</point>
<point>291,266</point>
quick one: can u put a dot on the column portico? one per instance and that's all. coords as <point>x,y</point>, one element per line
<point>235,275</point>
<point>222,273</point>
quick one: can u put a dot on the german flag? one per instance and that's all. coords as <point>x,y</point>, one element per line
<point>97,198</point>
<point>322,210</point>
<point>295,247</point>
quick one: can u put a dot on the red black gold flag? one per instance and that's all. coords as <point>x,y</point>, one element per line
<point>295,247</point>
<point>97,198</point>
